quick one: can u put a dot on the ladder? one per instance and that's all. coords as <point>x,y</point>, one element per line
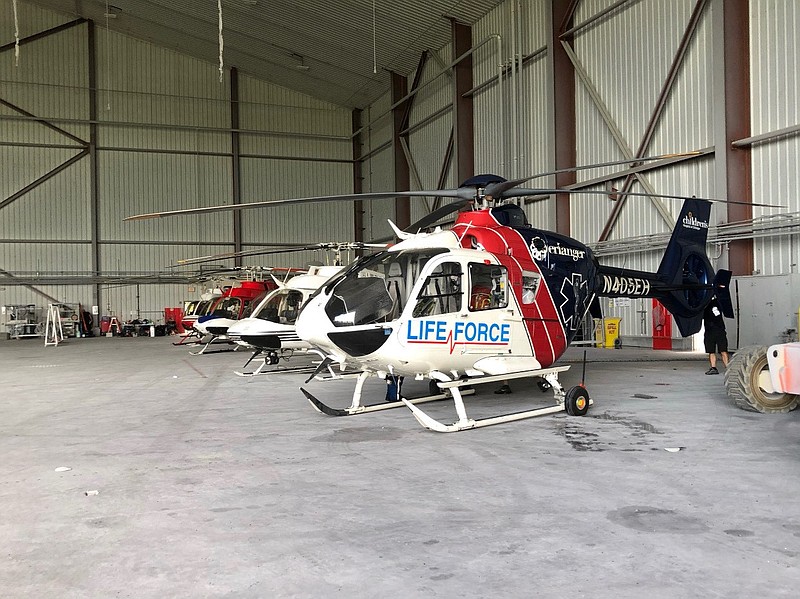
<point>53,333</point>
<point>111,324</point>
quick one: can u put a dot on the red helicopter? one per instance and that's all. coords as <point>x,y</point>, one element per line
<point>490,299</point>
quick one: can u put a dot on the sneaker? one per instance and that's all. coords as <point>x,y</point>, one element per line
<point>503,390</point>
<point>712,370</point>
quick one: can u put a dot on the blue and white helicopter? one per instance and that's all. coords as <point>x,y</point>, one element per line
<point>489,299</point>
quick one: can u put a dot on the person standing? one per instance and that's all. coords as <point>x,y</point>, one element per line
<point>715,337</point>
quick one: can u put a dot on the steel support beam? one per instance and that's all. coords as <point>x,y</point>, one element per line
<point>42,34</point>
<point>447,161</point>
<point>44,122</point>
<point>402,206</point>
<point>562,76</point>
<point>48,175</point>
<point>765,137</point>
<point>731,33</point>
<point>463,119</point>
<point>6,278</point>
<point>423,60</point>
<point>358,177</point>
<point>94,172</point>
<point>236,172</point>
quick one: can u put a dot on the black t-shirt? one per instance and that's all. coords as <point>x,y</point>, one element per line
<point>712,316</point>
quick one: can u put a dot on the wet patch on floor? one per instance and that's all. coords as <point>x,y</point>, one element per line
<point>636,435</point>
<point>793,528</point>
<point>739,532</point>
<point>647,518</point>
<point>577,436</point>
<point>635,425</point>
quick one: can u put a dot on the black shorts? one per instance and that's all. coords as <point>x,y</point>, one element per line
<point>715,340</point>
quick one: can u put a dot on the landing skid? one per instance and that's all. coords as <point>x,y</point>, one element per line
<point>214,341</point>
<point>185,339</point>
<point>575,394</point>
<point>276,370</point>
<point>315,369</point>
<point>352,410</point>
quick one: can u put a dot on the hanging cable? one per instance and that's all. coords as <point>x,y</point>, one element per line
<point>16,33</point>
<point>374,41</point>
<point>221,42</point>
<point>108,61</point>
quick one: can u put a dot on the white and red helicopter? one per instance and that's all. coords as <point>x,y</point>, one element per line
<point>268,325</point>
<point>235,303</point>
<point>490,299</point>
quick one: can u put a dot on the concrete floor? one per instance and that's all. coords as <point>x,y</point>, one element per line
<point>211,485</point>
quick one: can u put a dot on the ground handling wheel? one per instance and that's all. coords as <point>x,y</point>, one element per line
<point>748,384</point>
<point>576,401</point>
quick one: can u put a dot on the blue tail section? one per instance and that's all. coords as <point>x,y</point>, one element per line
<point>686,268</point>
<point>685,281</point>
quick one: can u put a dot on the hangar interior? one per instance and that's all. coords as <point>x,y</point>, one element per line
<point>111,109</point>
<point>133,469</point>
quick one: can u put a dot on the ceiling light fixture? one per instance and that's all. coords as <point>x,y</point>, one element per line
<point>301,62</point>
<point>112,11</point>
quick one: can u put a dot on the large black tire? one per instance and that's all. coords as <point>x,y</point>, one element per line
<point>748,385</point>
<point>576,401</point>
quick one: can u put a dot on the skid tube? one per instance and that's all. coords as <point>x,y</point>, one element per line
<point>357,408</point>
<point>465,423</point>
<point>214,341</point>
<point>276,370</point>
<point>185,339</point>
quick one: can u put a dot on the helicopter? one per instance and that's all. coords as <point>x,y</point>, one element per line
<point>235,303</point>
<point>270,330</point>
<point>489,299</point>
<point>267,323</point>
<point>194,309</point>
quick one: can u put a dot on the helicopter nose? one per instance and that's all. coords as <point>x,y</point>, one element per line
<point>312,323</point>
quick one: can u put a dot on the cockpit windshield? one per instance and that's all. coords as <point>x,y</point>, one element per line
<point>253,304</point>
<point>283,307</point>
<point>376,288</point>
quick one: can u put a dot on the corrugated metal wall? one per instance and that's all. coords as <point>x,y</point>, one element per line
<point>308,153</point>
<point>164,142</point>
<point>47,229</point>
<point>774,66</point>
<point>430,124</point>
<point>511,109</point>
<point>626,56</point>
<point>378,168</point>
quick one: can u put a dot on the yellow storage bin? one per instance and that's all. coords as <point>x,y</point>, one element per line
<point>608,334</point>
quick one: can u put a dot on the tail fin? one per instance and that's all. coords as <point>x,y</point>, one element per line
<point>683,282</point>
<point>686,267</point>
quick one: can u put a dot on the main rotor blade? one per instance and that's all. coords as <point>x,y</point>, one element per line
<point>285,249</point>
<point>496,189</point>
<point>520,192</point>
<point>463,193</point>
<point>242,254</point>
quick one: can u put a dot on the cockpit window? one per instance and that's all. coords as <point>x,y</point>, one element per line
<point>283,307</point>
<point>253,304</point>
<point>441,293</point>
<point>376,288</point>
<point>488,287</point>
<point>228,307</point>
